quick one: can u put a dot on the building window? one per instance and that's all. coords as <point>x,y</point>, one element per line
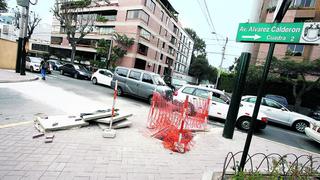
<point>151,5</point>
<point>159,69</point>
<point>295,50</point>
<point>138,14</point>
<point>142,49</point>
<point>106,30</point>
<point>162,15</point>
<point>56,40</point>
<point>161,56</point>
<point>145,34</point>
<point>303,3</point>
<point>163,45</point>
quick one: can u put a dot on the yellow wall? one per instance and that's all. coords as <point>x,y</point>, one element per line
<point>8,54</point>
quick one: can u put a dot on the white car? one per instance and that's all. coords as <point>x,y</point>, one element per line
<point>33,63</point>
<point>277,113</point>
<point>219,105</point>
<point>102,76</point>
<point>313,131</point>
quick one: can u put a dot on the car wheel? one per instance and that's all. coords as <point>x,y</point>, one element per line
<point>75,75</point>
<point>94,80</point>
<point>300,126</point>
<point>244,123</point>
<point>61,72</point>
<point>119,91</point>
<point>31,69</point>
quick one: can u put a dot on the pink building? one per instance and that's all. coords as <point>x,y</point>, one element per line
<point>300,11</point>
<point>161,45</point>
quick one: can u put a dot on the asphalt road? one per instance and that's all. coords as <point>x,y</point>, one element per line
<point>86,88</point>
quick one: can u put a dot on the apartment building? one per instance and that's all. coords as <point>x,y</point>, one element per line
<point>299,11</point>
<point>161,45</point>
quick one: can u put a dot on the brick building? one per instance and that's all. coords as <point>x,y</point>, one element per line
<point>161,44</point>
<point>299,11</point>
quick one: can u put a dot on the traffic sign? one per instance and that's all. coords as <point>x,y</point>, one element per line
<point>288,33</point>
<point>23,3</point>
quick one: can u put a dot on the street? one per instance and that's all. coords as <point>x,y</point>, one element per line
<point>103,94</point>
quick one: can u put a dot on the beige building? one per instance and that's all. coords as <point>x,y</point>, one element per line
<point>299,11</point>
<point>161,45</point>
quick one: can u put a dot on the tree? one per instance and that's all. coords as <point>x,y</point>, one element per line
<point>33,22</point>
<point>75,22</point>
<point>123,43</point>
<point>103,51</point>
<point>296,73</point>
<point>118,51</point>
<point>3,5</point>
<point>201,69</point>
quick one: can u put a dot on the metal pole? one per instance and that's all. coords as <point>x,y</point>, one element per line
<point>238,88</point>
<point>20,41</point>
<point>257,106</point>
<point>220,66</point>
<point>25,31</point>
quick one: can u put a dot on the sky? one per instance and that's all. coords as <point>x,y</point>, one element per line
<point>226,16</point>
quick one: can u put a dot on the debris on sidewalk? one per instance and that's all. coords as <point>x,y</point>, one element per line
<point>102,118</point>
<point>53,123</point>
<point>108,120</point>
<point>37,135</point>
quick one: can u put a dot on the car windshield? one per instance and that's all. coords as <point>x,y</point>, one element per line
<point>158,80</point>
<point>81,68</point>
<point>36,60</point>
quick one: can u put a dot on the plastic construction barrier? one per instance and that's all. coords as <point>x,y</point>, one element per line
<point>174,121</point>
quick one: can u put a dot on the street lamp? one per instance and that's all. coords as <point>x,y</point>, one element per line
<point>221,62</point>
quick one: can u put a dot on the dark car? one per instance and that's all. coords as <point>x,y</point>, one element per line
<point>76,71</point>
<point>56,64</point>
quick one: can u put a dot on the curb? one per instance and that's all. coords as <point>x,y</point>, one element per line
<point>17,81</point>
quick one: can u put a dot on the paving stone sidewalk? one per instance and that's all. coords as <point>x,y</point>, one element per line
<point>84,154</point>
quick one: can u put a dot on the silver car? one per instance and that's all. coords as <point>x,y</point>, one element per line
<point>139,83</point>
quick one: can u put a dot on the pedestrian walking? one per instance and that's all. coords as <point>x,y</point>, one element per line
<point>43,67</point>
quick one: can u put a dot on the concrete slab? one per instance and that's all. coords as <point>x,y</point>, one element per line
<point>119,117</point>
<point>118,125</point>
<point>53,123</point>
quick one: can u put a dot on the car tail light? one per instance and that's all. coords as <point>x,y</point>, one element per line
<point>264,119</point>
<point>175,93</point>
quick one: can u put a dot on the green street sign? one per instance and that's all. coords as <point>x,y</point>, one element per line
<point>23,3</point>
<point>287,33</point>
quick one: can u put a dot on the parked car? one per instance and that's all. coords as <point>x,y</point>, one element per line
<point>219,105</point>
<point>280,99</point>
<point>76,71</point>
<point>102,76</point>
<point>55,64</point>
<point>277,113</point>
<point>139,83</point>
<point>33,64</point>
<point>313,131</point>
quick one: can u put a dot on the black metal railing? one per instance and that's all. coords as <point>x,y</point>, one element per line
<point>285,165</point>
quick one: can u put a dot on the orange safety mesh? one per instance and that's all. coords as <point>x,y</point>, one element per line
<point>170,119</point>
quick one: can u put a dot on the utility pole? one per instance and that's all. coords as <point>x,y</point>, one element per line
<point>220,66</point>
<point>25,33</point>
<point>20,41</point>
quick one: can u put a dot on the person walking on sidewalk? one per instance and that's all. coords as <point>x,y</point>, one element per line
<point>43,69</point>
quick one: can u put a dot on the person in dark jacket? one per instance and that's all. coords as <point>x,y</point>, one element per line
<point>43,69</point>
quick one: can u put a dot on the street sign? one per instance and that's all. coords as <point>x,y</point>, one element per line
<point>23,3</point>
<point>287,33</point>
